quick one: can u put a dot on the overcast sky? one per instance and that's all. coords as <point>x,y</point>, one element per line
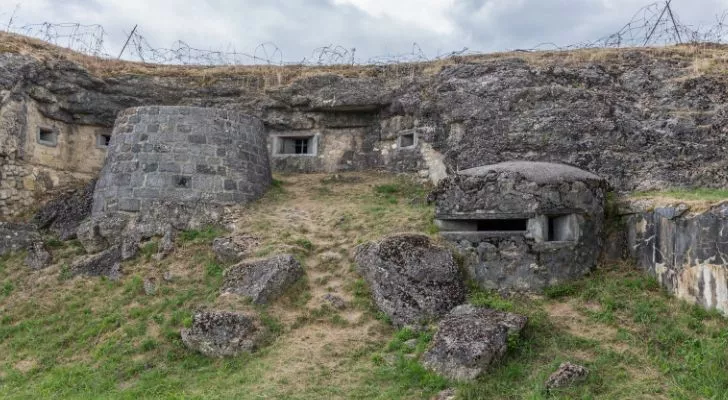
<point>373,27</point>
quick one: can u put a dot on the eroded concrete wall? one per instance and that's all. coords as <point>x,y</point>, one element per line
<point>29,170</point>
<point>687,251</point>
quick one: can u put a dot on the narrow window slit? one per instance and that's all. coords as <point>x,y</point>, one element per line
<point>502,225</point>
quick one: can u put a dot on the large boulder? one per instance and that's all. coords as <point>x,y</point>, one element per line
<point>63,214</point>
<point>412,280</point>
<point>469,340</point>
<point>262,280</point>
<point>16,237</point>
<point>106,263</point>
<point>222,334</point>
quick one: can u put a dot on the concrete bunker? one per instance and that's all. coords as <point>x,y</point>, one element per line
<point>184,158</point>
<point>523,225</point>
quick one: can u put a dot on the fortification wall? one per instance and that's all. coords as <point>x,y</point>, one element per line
<point>642,119</point>
<point>41,156</point>
<point>182,156</point>
<point>685,249</point>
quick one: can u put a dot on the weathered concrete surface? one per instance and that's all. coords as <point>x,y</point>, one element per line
<point>262,280</point>
<point>687,251</point>
<point>16,237</point>
<point>222,334</point>
<point>523,225</point>
<point>412,280</point>
<point>639,118</point>
<point>469,340</point>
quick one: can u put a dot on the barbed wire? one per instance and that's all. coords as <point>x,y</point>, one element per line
<point>653,25</point>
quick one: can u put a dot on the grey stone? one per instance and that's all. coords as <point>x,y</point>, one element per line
<point>166,245</point>
<point>16,237</point>
<point>150,286</point>
<point>233,249</point>
<point>222,334</point>
<point>38,256</point>
<point>567,375</point>
<point>412,280</point>
<point>106,263</point>
<point>129,247</point>
<point>469,340</point>
<point>335,301</point>
<point>63,214</point>
<point>263,280</point>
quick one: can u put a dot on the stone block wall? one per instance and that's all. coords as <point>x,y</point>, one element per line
<point>182,156</point>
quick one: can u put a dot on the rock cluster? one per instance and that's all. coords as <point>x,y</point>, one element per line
<point>63,214</point>
<point>412,280</point>
<point>469,340</point>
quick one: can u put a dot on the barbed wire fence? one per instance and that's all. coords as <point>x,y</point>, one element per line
<point>656,24</point>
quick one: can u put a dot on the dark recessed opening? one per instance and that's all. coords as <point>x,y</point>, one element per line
<point>407,140</point>
<point>562,228</point>
<point>47,136</point>
<point>103,140</point>
<point>507,225</point>
<point>552,229</point>
<point>296,145</point>
<point>183,182</point>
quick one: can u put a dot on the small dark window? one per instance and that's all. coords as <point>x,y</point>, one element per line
<point>296,145</point>
<point>103,140</point>
<point>502,225</point>
<point>562,228</point>
<point>47,136</point>
<point>407,140</point>
<point>183,182</point>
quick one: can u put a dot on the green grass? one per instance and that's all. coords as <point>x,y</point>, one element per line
<point>205,235</point>
<point>78,338</point>
<point>701,194</point>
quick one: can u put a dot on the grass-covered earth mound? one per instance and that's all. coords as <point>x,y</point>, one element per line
<point>92,338</point>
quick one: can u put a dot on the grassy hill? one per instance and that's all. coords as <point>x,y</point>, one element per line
<point>92,338</point>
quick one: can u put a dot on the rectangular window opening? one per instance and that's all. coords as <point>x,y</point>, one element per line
<point>562,228</point>
<point>296,145</point>
<point>407,140</point>
<point>103,140</point>
<point>47,136</point>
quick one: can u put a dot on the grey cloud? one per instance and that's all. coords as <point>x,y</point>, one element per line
<point>300,26</point>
